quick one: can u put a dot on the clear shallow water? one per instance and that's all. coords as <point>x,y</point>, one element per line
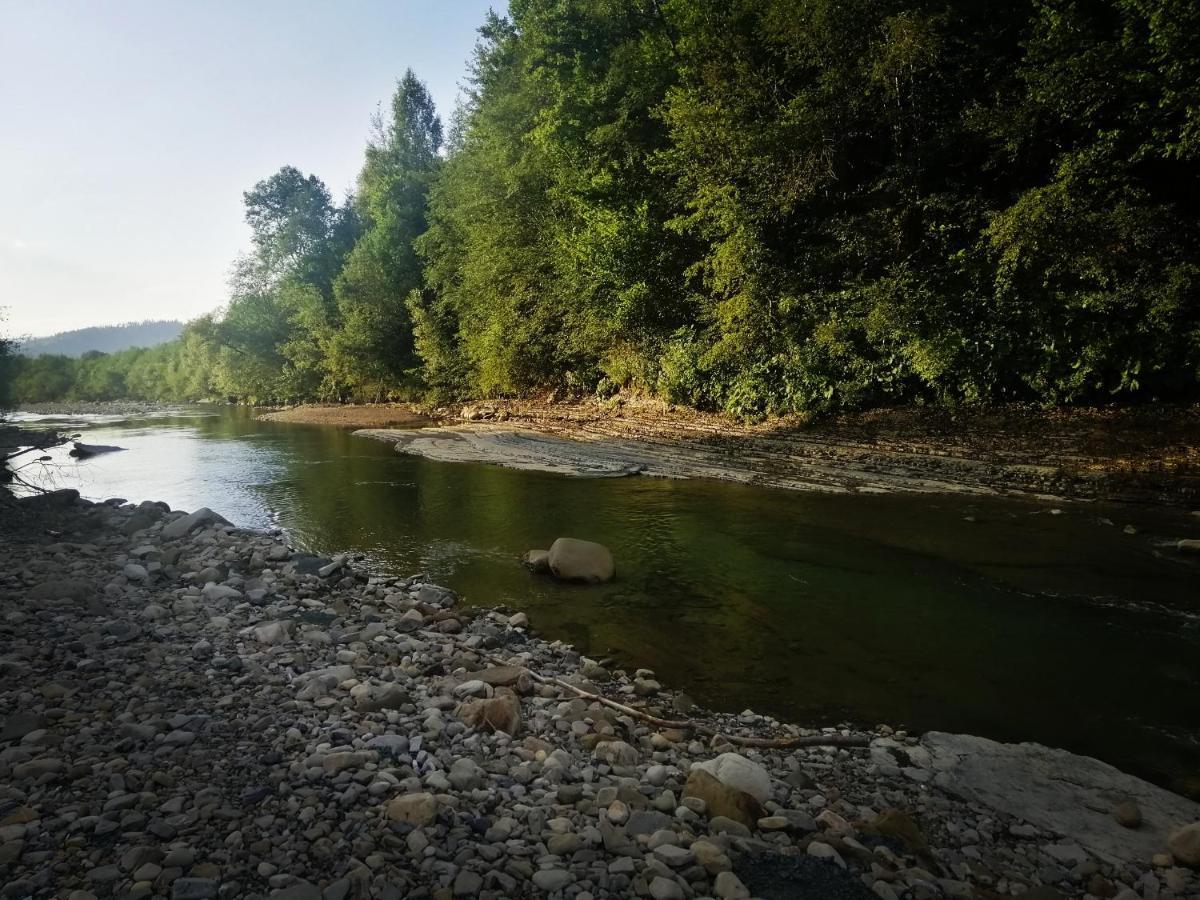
<point>1019,625</point>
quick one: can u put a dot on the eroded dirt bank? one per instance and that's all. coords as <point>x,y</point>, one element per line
<point>195,711</point>
<point>1148,454</point>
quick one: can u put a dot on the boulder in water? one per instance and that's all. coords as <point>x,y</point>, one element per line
<point>575,560</point>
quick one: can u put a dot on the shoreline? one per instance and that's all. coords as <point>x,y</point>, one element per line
<point>1140,455</point>
<point>371,701</point>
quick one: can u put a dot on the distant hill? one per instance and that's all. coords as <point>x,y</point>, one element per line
<point>105,338</point>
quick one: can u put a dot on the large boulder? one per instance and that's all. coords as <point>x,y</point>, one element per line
<point>736,771</point>
<point>723,800</point>
<point>575,560</point>
<point>1072,796</point>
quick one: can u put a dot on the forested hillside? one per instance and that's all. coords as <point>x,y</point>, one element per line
<point>103,338</point>
<point>761,206</point>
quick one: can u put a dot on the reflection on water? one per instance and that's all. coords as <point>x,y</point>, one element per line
<point>996,617</point>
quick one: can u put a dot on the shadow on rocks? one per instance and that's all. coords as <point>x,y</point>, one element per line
<point>774,877</point>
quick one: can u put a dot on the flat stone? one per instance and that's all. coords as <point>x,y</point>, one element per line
<point>1059,792</point>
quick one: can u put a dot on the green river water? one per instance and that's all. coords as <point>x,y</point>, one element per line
<point>1018,620</point>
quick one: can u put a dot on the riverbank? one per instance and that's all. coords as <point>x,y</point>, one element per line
<point>1146,455</point>
<point>195,711</point>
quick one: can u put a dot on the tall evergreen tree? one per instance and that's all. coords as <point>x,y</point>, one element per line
<point>371,353</point>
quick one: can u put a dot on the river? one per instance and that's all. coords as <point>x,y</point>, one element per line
<point>1014,619</point>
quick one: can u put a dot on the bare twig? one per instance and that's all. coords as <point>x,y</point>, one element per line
<point>818,740</point>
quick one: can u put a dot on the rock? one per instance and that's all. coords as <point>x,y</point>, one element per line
<point>136,572</point>
<point>467,883</point>
<point>665,889</point>
<point>83,451</point>
<point>646,821</point>
<point>710,856</point>
<point>499,713</point>
<point>900,826</point>
<point>186,524</point>
<point>575,560</point>
<point>831,821</point>
<point>616,753</point>
<point>822,850</point>
<point>551,880</point>
<point>76,589</point>
<point>472,688</point>
<point>739,773</point>
<point>415,809</point>
<point>465,775</point>
<point>1058,792</point>
<point>1127,814</point>
<point>673,856</point>
<point>1189,545</point>
<point>537,561</point>
<point>214,592</point>
<point>337,762</point>
<point>194,889</point>
<point>500,676</point>
<point>301,890</point>
<point>728,886</point>
<point>387,697</point>
<point>1184,845</point>
<point>720,800</point>
<point>273,632</point>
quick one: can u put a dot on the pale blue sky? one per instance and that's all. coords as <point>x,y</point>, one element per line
<point>130,129</point>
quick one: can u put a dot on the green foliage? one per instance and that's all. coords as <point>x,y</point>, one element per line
<point>372,352</point>
<point>762,206</point>
<point>7,362</point>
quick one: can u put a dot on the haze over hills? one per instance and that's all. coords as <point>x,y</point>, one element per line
<point>105,338</point>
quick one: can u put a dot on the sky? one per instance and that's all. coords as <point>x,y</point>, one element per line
<point>130,128</point>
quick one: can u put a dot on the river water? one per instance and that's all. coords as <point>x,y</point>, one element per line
<point>1018,620</point>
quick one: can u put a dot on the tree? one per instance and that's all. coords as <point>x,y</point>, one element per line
<point>7,355</point>
<point>371,353</point>
<point>297,231</point>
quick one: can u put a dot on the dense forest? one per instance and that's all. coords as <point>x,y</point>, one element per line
<point>761,206</point>
<point>102,338</point>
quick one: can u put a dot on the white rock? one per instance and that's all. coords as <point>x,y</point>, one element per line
<point>736,771</point>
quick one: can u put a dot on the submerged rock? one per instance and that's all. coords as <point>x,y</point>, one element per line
<point>537,561</point>
<point>83,451</point>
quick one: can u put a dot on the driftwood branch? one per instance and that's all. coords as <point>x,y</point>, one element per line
<point>818,740</point>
